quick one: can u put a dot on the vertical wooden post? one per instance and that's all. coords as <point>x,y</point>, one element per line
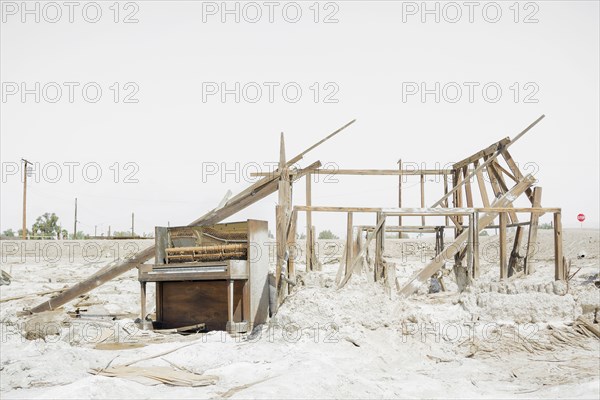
<point>349,242</point>
<point>445,177</point>
<point>476,245</point>
<point>503,260</point>
<point>293,249</point>
<point>75,223</point>
<point>559,272</point>
<point>481,183</point>
<point>400,195</point>
<point>379,247</point>
<point>533,228</point>
<point>422,198</point>
<point>468,191</point>
<point>283,214</point>
<point>470,246</point>
<point>309,257</point>
<point>316,265</point>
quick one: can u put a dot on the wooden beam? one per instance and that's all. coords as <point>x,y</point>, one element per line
<point>516,171</point>
<point>559,267</point>
<point>379,248</point>
<point>370,172</point>
<point>480,154</point>
<point>502,241</point>
<point>400,192</point>
<point>362,252</point>
<point>422,184</point>
<point>492,158</point>
<point>349,240</point>
<point>417,280</point>
<point>533,228</point>
<point>482,189</point>
<point>309,266</point>
<point>320,142</point>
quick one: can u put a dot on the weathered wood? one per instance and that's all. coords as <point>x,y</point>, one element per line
<point>482,189</point>
<point>417,280</point>
<point>362,252</point>
<point>475,271</point>
<point>559,270</point>
<point>349,240</point>
<point>491,158</point>
<point>369,172</point>
<point>480,154</point>
<point>468,192</point>
<point>320,142</point>
<point>502,246</point>
<point>533,228</point>
<point>291,241</point>
<point>400,193</point>
<point>422,182</point>
<point>309,266</point>
<point>516,172</point>
<point>283,214</point>
<point>379,247</point>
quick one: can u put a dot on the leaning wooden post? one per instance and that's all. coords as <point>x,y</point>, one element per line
<point>533,228</point>
<point>503,261</point>
<point>309,256</point>
<point>349,242</point>
<point>559,272</point>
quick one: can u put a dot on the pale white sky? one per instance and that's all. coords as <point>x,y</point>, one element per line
<point>366,61</point>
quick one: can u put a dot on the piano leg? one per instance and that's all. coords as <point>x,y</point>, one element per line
<point>230,303</point>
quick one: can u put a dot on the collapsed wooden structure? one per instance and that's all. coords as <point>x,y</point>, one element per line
<point>460,184</point>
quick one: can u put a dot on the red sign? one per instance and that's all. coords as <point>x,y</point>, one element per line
<point>580,217</point>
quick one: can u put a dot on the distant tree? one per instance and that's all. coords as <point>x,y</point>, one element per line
<point>122,233</point>
<point>271,235</point>
<point>545,225</point>
<point>27,232</point>
<point>8,233</point>
<point>46,225</point>
<point>80,236</point>
<point>301,236</point>
<point>327,234</point>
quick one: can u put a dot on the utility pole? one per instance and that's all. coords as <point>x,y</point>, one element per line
<point>75,226</point>
<point>132,216</point>
<point>24,233</point>
<point>95,230</point>
<point>109,231</point>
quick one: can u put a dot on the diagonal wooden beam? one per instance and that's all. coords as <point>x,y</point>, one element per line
<point>489,160</point>
<point>417,280</point>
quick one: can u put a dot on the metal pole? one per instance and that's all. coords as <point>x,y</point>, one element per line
<point>132,217</point>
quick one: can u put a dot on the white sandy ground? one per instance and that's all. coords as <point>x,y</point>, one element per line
<point>357,342</point>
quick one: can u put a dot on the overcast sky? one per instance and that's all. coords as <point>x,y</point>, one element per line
<point>162,131</point>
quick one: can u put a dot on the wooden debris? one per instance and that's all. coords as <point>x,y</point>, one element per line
<point>157,375</point>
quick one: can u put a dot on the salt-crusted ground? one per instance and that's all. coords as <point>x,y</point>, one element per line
<point>495,340</point>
